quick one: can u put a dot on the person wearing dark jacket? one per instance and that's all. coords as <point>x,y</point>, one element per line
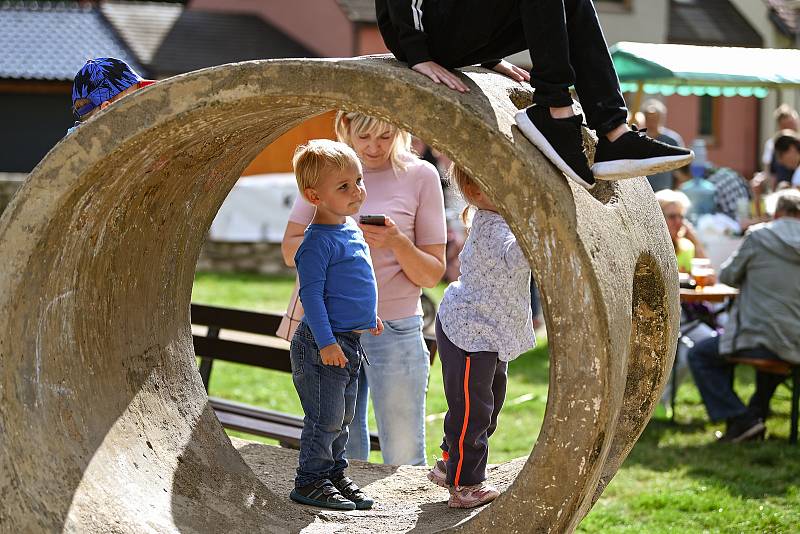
<point>764,321</point>
<point>567,48</point>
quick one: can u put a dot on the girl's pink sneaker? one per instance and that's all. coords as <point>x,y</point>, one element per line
<point>438,475</point>
<point>472,496</point>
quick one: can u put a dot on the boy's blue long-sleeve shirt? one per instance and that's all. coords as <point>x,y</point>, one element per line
<point>337,281</point>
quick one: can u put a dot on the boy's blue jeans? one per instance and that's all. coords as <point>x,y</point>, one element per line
<point>328,396</point>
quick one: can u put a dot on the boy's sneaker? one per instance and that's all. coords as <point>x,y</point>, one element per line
<point>438,475</point>
<point>472,496</point>
<point>321,493</point>
<point>635,154</point>
<point>560,140</point>
<point>352,492</point>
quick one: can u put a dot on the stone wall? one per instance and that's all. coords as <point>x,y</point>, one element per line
<point>9,183</point>
<point>235,257</point>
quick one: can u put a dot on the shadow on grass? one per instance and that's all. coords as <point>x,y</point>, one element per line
<point>750,470</point>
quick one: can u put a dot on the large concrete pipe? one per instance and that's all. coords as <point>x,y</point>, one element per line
<point>104,423</point>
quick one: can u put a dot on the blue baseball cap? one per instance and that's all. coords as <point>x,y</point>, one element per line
<point>102,79</point>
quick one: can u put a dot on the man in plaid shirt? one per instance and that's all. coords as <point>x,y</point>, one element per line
<point>732,189</point>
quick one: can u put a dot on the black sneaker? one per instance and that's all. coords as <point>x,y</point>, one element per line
<point>351,491</point>
<point>321,493</point>
<point>560,140</point>
<point>635,154</point>
<point>742,428</point>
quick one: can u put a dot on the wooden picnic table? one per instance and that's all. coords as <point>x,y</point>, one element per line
<point>715,293</point>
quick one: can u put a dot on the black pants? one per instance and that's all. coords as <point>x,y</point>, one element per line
<point>564,37</point>
<point>713,375</point>
<point>475,387</point>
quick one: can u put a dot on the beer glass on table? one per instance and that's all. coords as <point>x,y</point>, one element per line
<point>702,272</point>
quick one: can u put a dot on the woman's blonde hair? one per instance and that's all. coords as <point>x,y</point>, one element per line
<point>462,180</point>
<point>354,123</point>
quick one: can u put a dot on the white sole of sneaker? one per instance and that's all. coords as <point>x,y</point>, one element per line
<point>631,168</point>
<point>533,135</point>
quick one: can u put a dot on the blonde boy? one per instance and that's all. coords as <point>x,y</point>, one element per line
<point>339,295</point>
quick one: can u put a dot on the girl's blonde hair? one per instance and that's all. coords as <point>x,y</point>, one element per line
<point>354,123</point>
<point>462,181</point>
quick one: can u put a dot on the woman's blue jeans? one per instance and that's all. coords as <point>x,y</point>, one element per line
<point>397,380</point>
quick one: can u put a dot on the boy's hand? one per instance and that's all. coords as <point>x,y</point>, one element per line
<point>333,355</point>
<point>439,74</point>
<point>512,71</point>
<point>378,328</point>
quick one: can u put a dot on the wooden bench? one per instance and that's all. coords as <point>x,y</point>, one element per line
<point>250,350</point>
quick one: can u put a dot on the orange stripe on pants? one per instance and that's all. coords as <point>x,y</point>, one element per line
<point>464,426</point>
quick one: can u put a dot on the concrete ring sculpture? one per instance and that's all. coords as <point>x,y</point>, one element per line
<point>101,406</point>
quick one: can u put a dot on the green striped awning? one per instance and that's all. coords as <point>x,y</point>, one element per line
<point>669,69</point>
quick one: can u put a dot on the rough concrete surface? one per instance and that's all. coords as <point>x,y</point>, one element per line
<point>104,423</point>
<point>405,501</point>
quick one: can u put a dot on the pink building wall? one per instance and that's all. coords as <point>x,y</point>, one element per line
<point>320,25</point>
<point>735,143</point>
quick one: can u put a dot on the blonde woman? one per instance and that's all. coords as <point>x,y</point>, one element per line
<point>674,205</point>
<point>408,253</point>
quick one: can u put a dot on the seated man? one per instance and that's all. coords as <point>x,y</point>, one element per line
<point>764,321</point>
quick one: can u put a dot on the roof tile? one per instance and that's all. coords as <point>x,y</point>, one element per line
<point>169,39</point>
<point>51,41</point>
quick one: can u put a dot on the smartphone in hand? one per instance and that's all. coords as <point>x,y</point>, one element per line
<point>377,220</point>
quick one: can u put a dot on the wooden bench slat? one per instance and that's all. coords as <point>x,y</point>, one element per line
<point>285,434</point>
<point>256,413</point>
<point>232,319</point>
<point>245,413</point>
<point>773,367</point>
<point>246,353</point>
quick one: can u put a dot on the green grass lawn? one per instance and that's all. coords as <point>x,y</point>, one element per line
<point>676,479</point>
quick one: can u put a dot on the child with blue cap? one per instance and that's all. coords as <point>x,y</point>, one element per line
<point>101,82</point>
